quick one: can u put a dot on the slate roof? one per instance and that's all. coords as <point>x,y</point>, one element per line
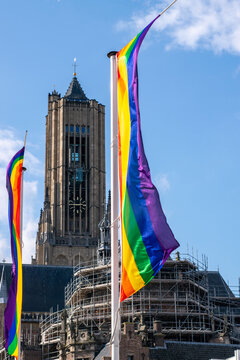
<point>43,286</point>
<point>75,91</point>
<point>192,351</point>
<point>184,351</point>
<point>217,285</point>
<point>104,352</point>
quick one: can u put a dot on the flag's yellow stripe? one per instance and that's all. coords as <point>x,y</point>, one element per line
<point>125,130</point>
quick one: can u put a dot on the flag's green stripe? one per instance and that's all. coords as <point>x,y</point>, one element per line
<point>13,345</point>
<point>14,231</point>
<point>15,161</point>
<point>132,46</point>
<point>15,244</point>
<point>135,241</point>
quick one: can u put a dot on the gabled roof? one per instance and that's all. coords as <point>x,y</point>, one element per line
<point>75,91</point>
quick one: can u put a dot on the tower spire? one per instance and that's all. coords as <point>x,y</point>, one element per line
<point>75,67</point>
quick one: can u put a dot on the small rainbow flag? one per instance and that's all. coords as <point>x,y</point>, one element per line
<point>147,239</point>
<point>12,315</point>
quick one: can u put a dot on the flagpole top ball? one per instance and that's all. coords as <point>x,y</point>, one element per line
<point>112,53</point>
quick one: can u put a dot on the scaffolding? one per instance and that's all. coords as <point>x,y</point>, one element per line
<point>180,297</point>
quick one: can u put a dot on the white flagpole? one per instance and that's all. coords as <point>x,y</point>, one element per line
<point>21,227</point>
<point>115,316</point>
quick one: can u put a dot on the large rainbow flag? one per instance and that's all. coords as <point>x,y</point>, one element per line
<point>147,240</point>
<point>12,315</point>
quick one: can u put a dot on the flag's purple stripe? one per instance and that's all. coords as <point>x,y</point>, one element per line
<point>11,304</point>
<point>158,219</point>
<point>134,186</point>
<point>10,318</point>
<point>9,168</point>
<point>10,216</point>
<point>10,312</point>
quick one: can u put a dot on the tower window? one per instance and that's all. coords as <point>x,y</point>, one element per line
<point>76,152</point>
<point>77,129</point>
<point>72,152</point>
<point>88,130</point>
<point>79,175</point>
<point>83,130</point>
<point>71,129</point>
<point>66,129</point>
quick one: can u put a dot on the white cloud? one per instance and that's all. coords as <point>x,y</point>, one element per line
<point>29,236</point>
<point>33,164</point>
<point>29,220</point>
<point>210,24</point>
<point>162,183</point>
<point>3,196</point>
<point>9,145</point>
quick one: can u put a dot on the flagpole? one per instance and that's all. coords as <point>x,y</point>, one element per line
<point>21,227</point>
<point>115,317</point>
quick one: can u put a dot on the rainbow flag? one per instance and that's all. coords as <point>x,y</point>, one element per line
<point>147,239</point>
<point>12,315</point>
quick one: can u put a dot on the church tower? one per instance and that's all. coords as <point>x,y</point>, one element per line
<point>74,179</point>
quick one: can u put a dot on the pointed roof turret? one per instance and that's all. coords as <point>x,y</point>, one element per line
<point>75,91</point>
<point>104,245</point>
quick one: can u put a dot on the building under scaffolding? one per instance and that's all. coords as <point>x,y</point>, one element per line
<point>184,302</point>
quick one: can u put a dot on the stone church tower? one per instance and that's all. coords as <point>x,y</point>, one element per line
<point>74,179</point>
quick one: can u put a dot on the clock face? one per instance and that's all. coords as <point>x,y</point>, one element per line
<point>77,205</point>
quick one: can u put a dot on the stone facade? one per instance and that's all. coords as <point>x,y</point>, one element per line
<point>132,344</point>
<point>74,179</point>
<point>78,341</point>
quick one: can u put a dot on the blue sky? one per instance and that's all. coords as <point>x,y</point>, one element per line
<point>189,71</point>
